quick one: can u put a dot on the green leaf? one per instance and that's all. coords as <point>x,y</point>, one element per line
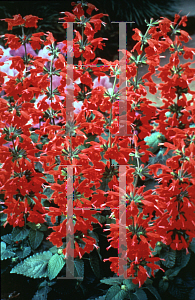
<point>94,263</point>
<point>3,218</point>
<point>141,295</point>
<point>35,238</point>
<point>41,294</point>
<point>192,245</point>
<point>112,280</point>
<point>153,140</point>
<point>43,227</point>
<point>48,192</point>
<point>7,238</point>
<point>115,293</point>
<point>79,267</point>
<point>24,252</point>
<point>169,256</point>
<point>54,250</point>
<point>34,137</point>
<point>3,246</point>
<point>192,295</point>
<point>130,285</point>
<point>182,258</point>
<point>171,273</point>
<point>163,286</point>
<point>7,254</point>
<point>153,291</point>
<point>19,234</point>
<point>49,178</point>
<point>179,289</point>
<point>100,218</point>
<point>55,265</point>
<point>32,225</point>
<point>38,167</point>
<point>132,296</point>
<point>34,266</point>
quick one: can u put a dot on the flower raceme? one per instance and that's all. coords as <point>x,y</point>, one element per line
<point>38,143</point>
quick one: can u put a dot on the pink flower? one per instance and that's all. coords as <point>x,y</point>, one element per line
<point>77,106</point>
<point>21,51</point>
<point>104,81</point>
<point>44,53</point>
<point>5,55</point>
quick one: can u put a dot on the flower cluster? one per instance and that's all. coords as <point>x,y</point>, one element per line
<point>38,143</point>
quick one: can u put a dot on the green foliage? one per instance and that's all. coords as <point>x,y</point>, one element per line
<point>35,238</point>
<point>178,289</point>
<point>153,291</point>
<point>140,294</point>
<point>153,140</point>
<point>130,285</point>
<point>5,254</point>
<point>55,265</point>
<point>115,293</point>
<point>23,252</point>
<point>7,238</point>
<point>192,294</point>
<point>19,234</point>
<point>94,263</point>
<point>192,245</point>
<point>78,268</point>
<point>170,256</point>
<point>182,258</point>
<point>112,280</point>
<point>171,273</point>
<point>43,290</point>
<point>163,286</point>
<point>34,266</point>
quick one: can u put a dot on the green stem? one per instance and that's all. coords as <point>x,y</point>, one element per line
<point>24,49</point>
<point>82,58</point>
<point>110,119</point>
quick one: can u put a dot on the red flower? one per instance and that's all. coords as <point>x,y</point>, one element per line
<point>31,21</point>
<point>16,21</point>
<point>86,79</point>
<point>36,41</point>
<point>17,63</point>
<point>78,11</point>
<point>13,41</point>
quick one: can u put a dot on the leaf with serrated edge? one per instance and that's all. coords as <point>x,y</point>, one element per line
<point>19,234</point>
<point>7,238</point>
<point>115,293</point>
<point>3,246</point>
<point>35,238</point>
<point>7,254</point>
<point>170,257</point>
<point>55,265</point>
<point>34,266</point>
